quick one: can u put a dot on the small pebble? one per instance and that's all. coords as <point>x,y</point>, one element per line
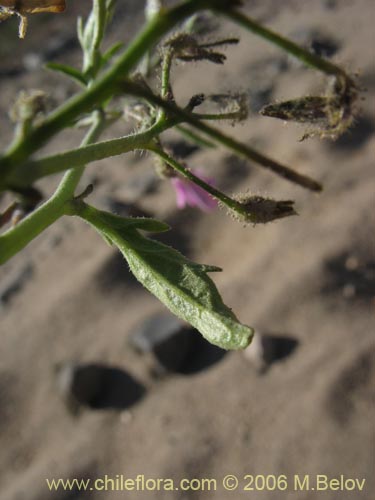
<point>257,353</point>
<point>96,386</point>
<point>267,349</point>
<point>79,385</point>
<point>166,338</point>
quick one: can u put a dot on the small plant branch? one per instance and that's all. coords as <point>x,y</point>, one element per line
<point>182,285</point>
<point>248,209</point>
<point>34,170</point>
<point>220,196</point>
<point>72,177</point>
<point>308,58</point>
<point>165,89</point>
<point>183,116</point>
<point>101,88</point>
<point>232,115</point>
<point>195,138</point>
<point>87,153</point>
<point>19,236</point>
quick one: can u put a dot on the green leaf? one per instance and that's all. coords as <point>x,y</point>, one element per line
<point>124,224</point>
<point>80,28</point>
<point>69,71</point>
<point>90,36</point>
<point>182,285</point>
<point>112,51</point>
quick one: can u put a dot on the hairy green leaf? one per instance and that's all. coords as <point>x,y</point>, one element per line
<point>182,285</point>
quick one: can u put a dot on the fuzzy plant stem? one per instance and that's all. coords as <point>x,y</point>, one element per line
<point>215,193</point>
<point>184,116</point>
<point>86,153</point>
<point>17,237</point>
<point>175,115</point>
<point>101,88</point>
<point>191,136</point>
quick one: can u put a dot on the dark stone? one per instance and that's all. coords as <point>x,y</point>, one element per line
<point>176,346</point>
<point>166,337</point>
<point>97,386</point>
<point>267,349</point>
<point>278,347</point>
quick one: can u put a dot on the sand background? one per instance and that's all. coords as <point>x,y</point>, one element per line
<point>310,278</point>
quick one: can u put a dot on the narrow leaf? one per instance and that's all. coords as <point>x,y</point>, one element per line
<point>69,71</point>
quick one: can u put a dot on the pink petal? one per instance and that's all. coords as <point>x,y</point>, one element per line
<point>188,193</point>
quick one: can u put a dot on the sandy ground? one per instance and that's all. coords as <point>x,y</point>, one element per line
<point>309,278</point>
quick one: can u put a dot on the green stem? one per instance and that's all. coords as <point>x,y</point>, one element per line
<point>165,90</point>
<point>17,237</point>
<point>166,73</point>
<point>72,177</point>
<point>303,55</point>
<point>100,90</point>
<point>34,170</point>
<point>219,195</point>
<point>233,115</point>
<point>40,168</point>
<point>193,137</point>
<point>180,116</point>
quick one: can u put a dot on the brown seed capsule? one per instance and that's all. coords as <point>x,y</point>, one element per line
<point>309,109</point>
<point>34,6</point>
<point>330,115</point>
<point>21,8</point>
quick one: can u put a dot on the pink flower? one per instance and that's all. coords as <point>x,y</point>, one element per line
<point>189,194</point>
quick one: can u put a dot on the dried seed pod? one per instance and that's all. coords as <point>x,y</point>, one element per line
<point>310,109</point>
<point>186,48</point>
<point>260,210</point>
<point>28,106</point>
<point>33,6</point>
<point>330,114</point>
<point>23,7</point>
